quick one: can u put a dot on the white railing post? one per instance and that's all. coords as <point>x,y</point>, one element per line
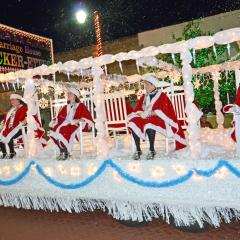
<point>218,103</point>
<point>193,113</point>
<point>30,99</point>
<point>237,77</point>
<point>99,99</point>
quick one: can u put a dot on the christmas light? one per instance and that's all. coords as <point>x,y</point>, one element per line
<point>134,167</point>
<point>157,172</point>
<point>91,169</point>
<point>98,31</point>
<point>43,103</point>
<point>221,174</point>
<point>179,169</point>
<point>43,40</point>
<point>19,167</point>
<point>6,171</point>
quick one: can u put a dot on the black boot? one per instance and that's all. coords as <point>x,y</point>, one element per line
<point>11,155</point>
<point>151,155</point>
<point>151,136</point>
<point>137,155</point>
<point>65,155</point>
<point>60,156</point>
<point>3,150</point>
<point>4,155</point>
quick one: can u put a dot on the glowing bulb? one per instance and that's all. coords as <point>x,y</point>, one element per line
<point>179,169</point>
<point>19,167</point>
<point>44,89</point>
<point>134,167</point>
<point>221,174</point>
<point>6,170</point>
<point>157,172</point>
<point>81,16</point>
<point>91,169</point>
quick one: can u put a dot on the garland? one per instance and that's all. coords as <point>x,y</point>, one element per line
<point>124,174</point>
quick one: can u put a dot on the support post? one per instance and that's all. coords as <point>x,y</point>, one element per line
<point>218,103</point>
<point>237,77</point>
<point>193,113</point>
<point>30,98</point>
<point>99,100</point>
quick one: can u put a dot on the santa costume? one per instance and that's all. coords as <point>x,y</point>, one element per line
<point>153,113</point>
<point>64,127</point>
<point>12,125</point>
<point>235,109</point>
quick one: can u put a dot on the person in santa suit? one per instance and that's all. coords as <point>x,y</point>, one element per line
<point>64,126</point>
<point>153,113</point>
<point>234,109</point>
<point>12,125</point>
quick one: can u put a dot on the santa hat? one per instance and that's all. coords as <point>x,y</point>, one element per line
<point>151,79</point>
<point>74,91</point>
<point>16,96</point>
<point>227,108</point>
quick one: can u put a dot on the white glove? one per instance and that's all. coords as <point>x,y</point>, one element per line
<point>75,122</point>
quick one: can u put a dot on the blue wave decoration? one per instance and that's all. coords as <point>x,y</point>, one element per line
<point>18,178</point>
<point>124,174</point>
<point>83,183</point>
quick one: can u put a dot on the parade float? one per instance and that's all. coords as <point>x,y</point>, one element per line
<point>196,184</point>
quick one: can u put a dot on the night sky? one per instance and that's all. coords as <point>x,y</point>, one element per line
<point>56,19</point>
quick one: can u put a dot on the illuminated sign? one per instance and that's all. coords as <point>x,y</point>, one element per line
<point>22,50</point>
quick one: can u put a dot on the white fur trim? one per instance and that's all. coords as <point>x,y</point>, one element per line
<point>10,135</point>
<point>155,98</point>
<point>175,136</point>
<point>151,79</point>
<point>16,96</point>
<point>89,122</point>
<point>166,119</point>
<point>74,91</point>
<point>59,137</point>
<point>133,115</point>
<point>137,130</point>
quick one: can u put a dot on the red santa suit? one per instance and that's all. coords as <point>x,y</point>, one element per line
<point>39,131</point>
<point>13,123</point>
<point>63,130</point>
<point>157,114</point>
<point>235,109</point>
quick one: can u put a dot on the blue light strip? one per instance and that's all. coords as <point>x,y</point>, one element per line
<point>124,174</point>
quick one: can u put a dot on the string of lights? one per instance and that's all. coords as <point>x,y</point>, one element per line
<point>98,31</point>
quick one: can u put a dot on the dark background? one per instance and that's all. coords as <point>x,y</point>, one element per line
<point>56,18</point>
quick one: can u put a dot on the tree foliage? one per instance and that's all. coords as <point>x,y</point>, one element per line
<point>206,57</point>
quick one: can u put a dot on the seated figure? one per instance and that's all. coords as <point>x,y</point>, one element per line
<point>12,125</point>
<point>153,113</point>
<point>64,127</point>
